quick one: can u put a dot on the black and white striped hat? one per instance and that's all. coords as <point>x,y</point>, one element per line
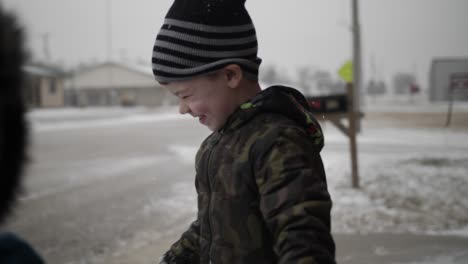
<point>202,36</point>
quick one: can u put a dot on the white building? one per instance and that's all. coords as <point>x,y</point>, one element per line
<point>442,74</point>
<point>43,86</point>
<point>110,84</point>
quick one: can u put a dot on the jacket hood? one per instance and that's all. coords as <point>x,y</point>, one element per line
<point>279,100</point>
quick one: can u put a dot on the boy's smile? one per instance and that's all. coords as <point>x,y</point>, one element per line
<point>208,98</point>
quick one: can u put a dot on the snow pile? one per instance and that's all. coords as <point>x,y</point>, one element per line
<point>409,193</point>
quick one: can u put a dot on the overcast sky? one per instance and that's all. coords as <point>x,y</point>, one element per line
<point>400,35</point>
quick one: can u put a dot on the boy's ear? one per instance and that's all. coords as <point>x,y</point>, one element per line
<point>234,75</point>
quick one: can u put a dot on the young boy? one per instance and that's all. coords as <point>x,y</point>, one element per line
<point>262,192</point>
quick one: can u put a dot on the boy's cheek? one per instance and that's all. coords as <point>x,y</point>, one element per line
<point>198,107</point>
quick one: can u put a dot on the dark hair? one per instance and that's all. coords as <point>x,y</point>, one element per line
<point>13,134</point>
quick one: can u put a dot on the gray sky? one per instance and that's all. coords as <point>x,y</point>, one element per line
<point>401,35</point>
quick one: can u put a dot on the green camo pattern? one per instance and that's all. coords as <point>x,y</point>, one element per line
<point>262,191</point>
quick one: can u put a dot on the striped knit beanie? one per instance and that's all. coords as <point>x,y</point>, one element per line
<point>201,36</point>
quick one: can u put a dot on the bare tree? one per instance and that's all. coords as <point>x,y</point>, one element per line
<point>305,79</point>
<point>376,88</point>
<point>270,74</point>
<point>402,83</point>
<point>323,80</point>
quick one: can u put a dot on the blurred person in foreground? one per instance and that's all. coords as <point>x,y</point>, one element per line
<point>262,191</point>
<point>13,137</point>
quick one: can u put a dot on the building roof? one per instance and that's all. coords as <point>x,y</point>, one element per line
<point>112,75</point>
<point>449,59</point>
<point>41,70</point>
<point>137,68</point>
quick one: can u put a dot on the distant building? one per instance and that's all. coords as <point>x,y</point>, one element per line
<point>112,84</point>
<point>442,74</point>
<point>43,86</point>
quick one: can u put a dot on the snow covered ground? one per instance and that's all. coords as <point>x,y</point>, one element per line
<point>405,104</point>
<point>412,180</point>
<point>404,192</point>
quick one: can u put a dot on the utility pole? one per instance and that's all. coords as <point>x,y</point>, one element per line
<point>110,96</point>
<point>109,29</point>
<point>357,62</point>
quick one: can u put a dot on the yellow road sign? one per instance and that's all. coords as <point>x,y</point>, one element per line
<point>346,72</point>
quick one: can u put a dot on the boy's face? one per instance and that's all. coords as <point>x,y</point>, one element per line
<point>208,98</point>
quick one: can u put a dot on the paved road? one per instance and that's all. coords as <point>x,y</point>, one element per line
<point>106,194</point>
<point>96,191</point>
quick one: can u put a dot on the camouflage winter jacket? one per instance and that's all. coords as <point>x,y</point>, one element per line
<point>262,192</point>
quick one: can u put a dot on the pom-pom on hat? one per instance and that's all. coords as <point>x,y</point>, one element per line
<point>201,36</point>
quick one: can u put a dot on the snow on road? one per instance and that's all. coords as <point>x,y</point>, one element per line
<point>68,119</point>
<point>91,171</point>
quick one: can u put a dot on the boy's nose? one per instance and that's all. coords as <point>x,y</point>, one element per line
<point>183,108</point>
